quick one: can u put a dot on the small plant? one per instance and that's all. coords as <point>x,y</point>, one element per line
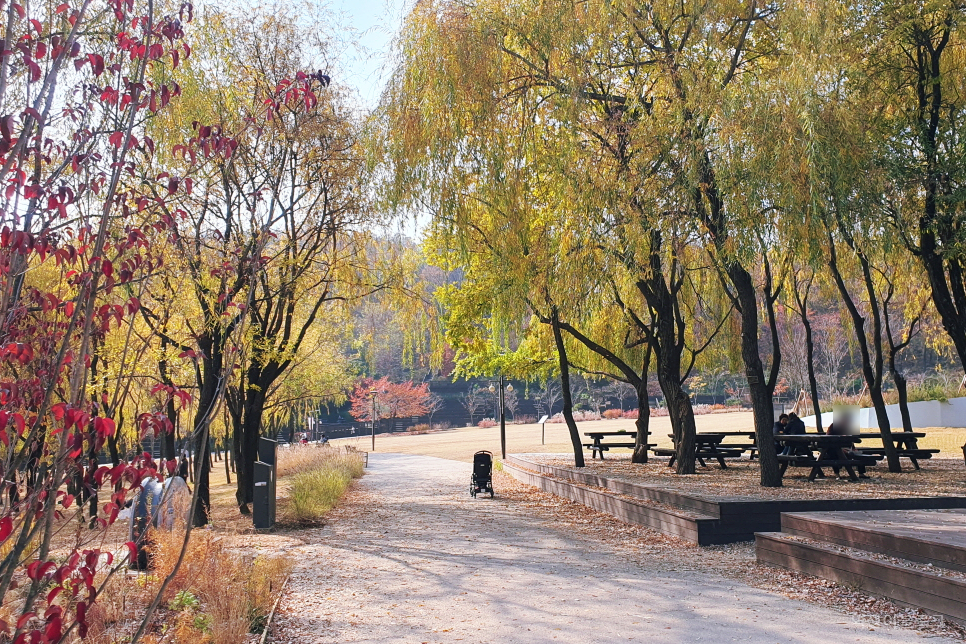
<point>420,428</point>
<point>184,600</point>
<point>611,414</point>
<point>202,623</point>
<point>487,422</point>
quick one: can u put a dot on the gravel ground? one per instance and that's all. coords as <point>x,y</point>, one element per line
<point>410,557</point>
<point>938,477</point>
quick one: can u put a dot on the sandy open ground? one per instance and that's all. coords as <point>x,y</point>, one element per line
<point>460,443</point>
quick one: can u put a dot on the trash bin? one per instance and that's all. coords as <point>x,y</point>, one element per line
<point>263,495</point>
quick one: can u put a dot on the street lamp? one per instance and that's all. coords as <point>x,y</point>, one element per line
<point>372,393</point>
<point>503,389</point>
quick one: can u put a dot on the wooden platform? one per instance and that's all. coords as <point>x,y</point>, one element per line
<point>701,519</point>
<point>936,537</point>
<point>813,543</point>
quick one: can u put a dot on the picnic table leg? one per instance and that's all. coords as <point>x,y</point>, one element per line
<point>815,472</point>
<point>670,463</point>
<point>782,468</point>
<point>915,462</point>
<point>852,476</point>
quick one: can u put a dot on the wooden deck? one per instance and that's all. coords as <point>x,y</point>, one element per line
<point>936,537</point>
<point>702,519</point>
<point>813,543</point>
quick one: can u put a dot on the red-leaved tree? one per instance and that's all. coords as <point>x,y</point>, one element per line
<point>392,400</point>
<point>80,208</point>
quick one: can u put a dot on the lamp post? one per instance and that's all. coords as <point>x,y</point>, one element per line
<point>373,394</point>
<point>502,415</point>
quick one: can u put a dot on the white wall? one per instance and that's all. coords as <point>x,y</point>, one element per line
<point>928,413</point>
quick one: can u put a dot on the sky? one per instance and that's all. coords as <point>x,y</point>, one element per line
<point>374,25</point>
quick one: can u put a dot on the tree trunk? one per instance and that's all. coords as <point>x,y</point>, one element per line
<point>761,397</point>
<point>212,361</point>
<point>643,425</point>
<point>227,458</point>
<point>682,421</point>
<point>901,388</point>
<point>643,411</point>
<point>568,403</point>
<point>812,380</point>
<point>872,372</point>
<point>248,445</point>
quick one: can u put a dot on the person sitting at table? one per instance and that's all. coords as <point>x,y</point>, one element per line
<point>795,424</point>
<point>842,426</point>
<point>779,426</point>
<point>777,429</point>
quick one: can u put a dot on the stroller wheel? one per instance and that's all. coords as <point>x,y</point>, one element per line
<point>472,490</point>
<point>491,493</point>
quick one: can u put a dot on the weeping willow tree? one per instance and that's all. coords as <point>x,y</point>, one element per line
<point>553,171</point>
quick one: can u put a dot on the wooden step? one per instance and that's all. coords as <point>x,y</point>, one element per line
<point>688,525</point>
<point>936,537</point>
<point>932,592</point>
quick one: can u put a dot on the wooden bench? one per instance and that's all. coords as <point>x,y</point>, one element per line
<point>912,454</point>
<point>808,460</point>
<point>702,451</point>
<point>907,445</point>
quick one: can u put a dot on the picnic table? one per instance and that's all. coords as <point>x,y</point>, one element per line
<point>751,446</point>
<point>906,444</point>
<point>599,447</point>
<point>707,445</point>
<point>835,451</point>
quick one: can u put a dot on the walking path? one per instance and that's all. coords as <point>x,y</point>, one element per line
<point>410,557</point>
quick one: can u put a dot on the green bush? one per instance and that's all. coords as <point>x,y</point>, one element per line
<point>315,491</point>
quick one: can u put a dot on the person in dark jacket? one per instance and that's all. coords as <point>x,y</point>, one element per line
<point>795,424</point>
<point>780,425</point>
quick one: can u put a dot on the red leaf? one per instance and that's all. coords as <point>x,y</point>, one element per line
<point>6,527</point>
<point>107,268</point>
<point>53,630</point>
<point>132,551</point>
<point>52,595</point>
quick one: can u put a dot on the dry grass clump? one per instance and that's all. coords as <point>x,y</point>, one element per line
<point>318,484</point>
<point>302,458</point>
<point>217,597</point>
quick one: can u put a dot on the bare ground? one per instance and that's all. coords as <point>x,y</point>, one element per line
<point>410,557</point>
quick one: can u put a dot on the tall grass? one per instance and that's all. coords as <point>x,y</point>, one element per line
<point>319,478</point>
<point>219,595</point>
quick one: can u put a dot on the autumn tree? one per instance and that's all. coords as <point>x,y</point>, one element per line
<point>389,400</point>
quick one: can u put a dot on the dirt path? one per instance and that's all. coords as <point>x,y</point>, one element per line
<point>410,557</point>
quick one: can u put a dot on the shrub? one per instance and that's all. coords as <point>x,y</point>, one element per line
<point>420,428</point>
<point>220,595</point>
<point>314,491</point>
<point>524,420</point>
<point>487,422</point>
<point>610,414</point>
<point>632,414</point>
<point>579,416</point>
<point>302,458</point>
<point>443,425</point>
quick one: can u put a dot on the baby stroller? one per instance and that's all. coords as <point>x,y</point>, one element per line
<point>482,474</point>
